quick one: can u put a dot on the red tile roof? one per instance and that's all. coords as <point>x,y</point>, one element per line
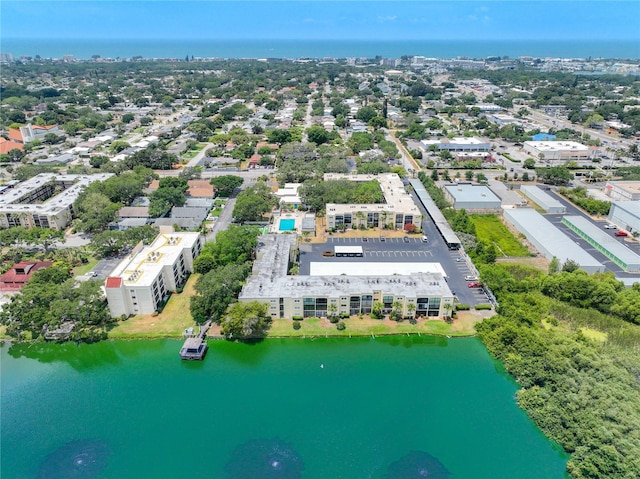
<point>20,274</point>
<point>14,134</point>
<point>113,282</point>
<point>6,146</point>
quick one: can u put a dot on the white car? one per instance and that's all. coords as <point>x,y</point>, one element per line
<point>425,238</point>
<point>609,227</point>
<point>470,278</point>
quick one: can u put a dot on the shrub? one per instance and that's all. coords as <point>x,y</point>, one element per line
<point>344,315</point>
<point>297,318</point>
<point>341,326</point>
<point>462,307</point>
<point>334,319</point>
<point>483,306</point>
<point>297,325</point>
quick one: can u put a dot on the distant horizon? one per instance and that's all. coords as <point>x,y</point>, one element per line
<point>306,48</point>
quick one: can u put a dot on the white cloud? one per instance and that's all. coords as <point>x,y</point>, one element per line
<point>387,18</point>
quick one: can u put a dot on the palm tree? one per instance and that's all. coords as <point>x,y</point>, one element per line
<point>447,310</point>
<point>396,310</point>
<point>411,309</point>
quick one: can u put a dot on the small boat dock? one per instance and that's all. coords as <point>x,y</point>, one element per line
<point>195,347</point>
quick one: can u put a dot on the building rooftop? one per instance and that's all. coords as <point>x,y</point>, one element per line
<point>11,200</point>
<point>395,196</point>
<point>610,243</point>
<point>557,145</point>
<point>269,278</point>
<point>632,187</point>
<point>143,265</point>
<point>362,268</point>
<point>463,192</point>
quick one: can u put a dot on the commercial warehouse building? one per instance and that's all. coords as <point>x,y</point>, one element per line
<point>423,294</point>
<point>626,214</point>
<point>623,190</point>
<point>44,201</point>
<point>397,211</point>
<point>473,198</point>
<point>603,242</point>
<point>457,144</point>
<point>543,199</point>
<point>549,240</point>
<point>142,282</point>
<point>560,150</point>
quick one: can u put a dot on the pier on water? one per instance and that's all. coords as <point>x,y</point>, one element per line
<point>195,347</point>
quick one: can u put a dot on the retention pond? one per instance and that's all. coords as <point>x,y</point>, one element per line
<point>326,408</point>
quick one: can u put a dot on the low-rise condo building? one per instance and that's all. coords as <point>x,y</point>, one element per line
<point>397,211</point>
<point>141,283</point>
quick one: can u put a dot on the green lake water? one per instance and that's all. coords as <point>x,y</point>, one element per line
<point>348,407</point>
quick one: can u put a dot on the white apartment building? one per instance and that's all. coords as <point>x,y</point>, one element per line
<point>397,211</point>
<point>44,201</point>
<point>141,283</point>
<point>421,293</point>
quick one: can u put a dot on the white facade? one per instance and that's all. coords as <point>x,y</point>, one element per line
<point>623,190</point>
<point>458,144</point>
<point>45,201</point>
<point>560,150</point>
<point>397,211</point>
<point>626,215</point>
<point>141,282</point>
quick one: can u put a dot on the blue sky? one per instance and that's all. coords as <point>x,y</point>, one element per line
<point>377,20</point>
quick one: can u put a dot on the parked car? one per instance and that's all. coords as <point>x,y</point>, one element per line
<point>474,284</point>
<point>470,277</point>
<point>405,239</point>
<point>93,274</point>
<point>609,227</point>
<point>622,233</point>
<point>328,253</point>
<point>425,238</point>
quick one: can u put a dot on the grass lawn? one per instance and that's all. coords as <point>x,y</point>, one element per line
<point>3,332</point>
<point>216,212</point>
<point>189,154</point>
<point>175,317</point>
<point>367,327</point>
<point>489,228</point>
<point>85,268</point>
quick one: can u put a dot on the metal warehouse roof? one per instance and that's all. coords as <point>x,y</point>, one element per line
<point>549,240</point>
<point>434,212</point>
<point>611,245</point>
<point>472,194</point>
<point>543,199</point>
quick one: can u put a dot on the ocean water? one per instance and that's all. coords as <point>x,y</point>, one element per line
<point>85,48</point>
<point>329,408</point>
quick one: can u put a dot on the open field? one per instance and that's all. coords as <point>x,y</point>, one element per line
<point>175,317</point>
<point>489,228</point>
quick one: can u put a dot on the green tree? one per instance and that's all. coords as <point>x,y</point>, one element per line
<point>226,184</point>
<point>245,321</point>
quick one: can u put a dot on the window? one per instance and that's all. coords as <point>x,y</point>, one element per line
<point>354,305</point>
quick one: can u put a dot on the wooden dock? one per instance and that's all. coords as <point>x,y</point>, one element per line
<point>195,347</point>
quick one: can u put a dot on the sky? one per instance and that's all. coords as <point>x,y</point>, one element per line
<point>353,20</point>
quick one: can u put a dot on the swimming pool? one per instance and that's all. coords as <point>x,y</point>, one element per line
<point>287,225</point>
